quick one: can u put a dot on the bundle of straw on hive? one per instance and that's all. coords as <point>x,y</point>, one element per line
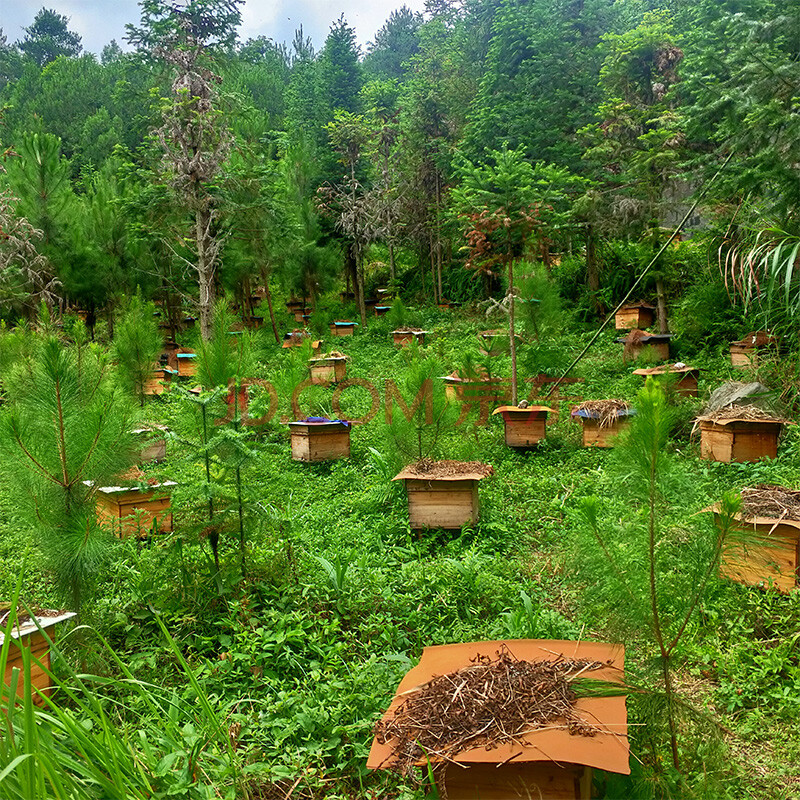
<point>633,339</point>
<point>427,468</point>
<point>773,502</point>
<point>493,701</point>
<point>605,411</point>
<point>743,412</point>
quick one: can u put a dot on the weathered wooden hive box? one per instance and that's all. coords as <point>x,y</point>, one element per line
<point>447,305</point>
<point>293,306</point>
<point>445,495</point>
<point>597,434</point>
<point>318,439</point>
<point>187,363</point>
<point>325,371</point>
<point>153,443</point>
<point>402,338</point>
<point>253,322</point>
<point>634,316</point>
<point>27,635</point>
<point>744,353</point>
<point>296,339</point>
<point>636,342</point>
<point>549,763</point>
<point>381,311</point>
<point>475,390</point>
<point>343,328</point>
<point>683,379</point>
<point>495,342</point>
<point>131,511</point>
<point>738,439</point>
<point>524,427</point>
<point>768,553</point>
<point>159,381</point>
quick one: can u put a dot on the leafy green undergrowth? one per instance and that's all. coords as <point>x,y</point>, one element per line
<point>302,657</point>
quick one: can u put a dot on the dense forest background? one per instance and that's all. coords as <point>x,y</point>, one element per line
<point>314,166</point>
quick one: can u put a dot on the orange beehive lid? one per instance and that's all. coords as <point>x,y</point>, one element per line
<point>607,749</point>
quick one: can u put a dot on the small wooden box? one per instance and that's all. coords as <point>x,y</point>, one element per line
<point>187,364</point>
<point>630,317</point>
<point>319,441</point>
<point>743,355</point>
<point>131,511</point>
<point>684,383</point>
<point>657,342</point>
<point>382,311</point>
<point>159,381</point>
<point>296,339</point>
<point>293,306</point>
<point>253,323</point>
<point>404,338</point>
<point>154,443</point>
<point>302,315</point>
<point>325,371</point>
<point>27,635</point>
<point>448,502</point>
<point>524,427</point>
<point>771,553</point>
<point>596,436</point>
<point>343,328</point>
<point>738,439</point>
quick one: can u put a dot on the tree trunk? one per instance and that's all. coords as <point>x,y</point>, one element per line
<point>268,297</point>
<point>663,327</point>
<point>438,235</point>
<point>358,274</point>
<point>592,272</point>
<point>432,254</point>
<point>511,331</point>
<point>205,271</point>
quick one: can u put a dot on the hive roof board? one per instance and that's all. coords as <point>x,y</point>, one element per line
<point>592,414</point>
<point>607,749</point>
<point>18,631</point>
<point>651,337</point>
<point>501,409</point>
<point>132,488</point>
<point>321,423</point>
<point>777,421</point>
<point>668,369</point>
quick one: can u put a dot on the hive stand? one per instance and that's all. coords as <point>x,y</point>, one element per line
<point>547,764</point>
<point>325,440</point>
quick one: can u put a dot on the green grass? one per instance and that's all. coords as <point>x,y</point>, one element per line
<point>341,597</point>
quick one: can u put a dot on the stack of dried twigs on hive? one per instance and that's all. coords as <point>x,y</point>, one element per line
<point>605,411</point>
<point>774,502</point>
<point>493,701</point>
<point>427,468</point>
<point>744,412</point>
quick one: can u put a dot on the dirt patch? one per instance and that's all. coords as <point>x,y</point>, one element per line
<point>493,701</point>
<point>431,470</point>
<point>775,502</point>
<point>606,411</point>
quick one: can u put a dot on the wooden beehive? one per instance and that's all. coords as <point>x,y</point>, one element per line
<point>684,383</point>
<point>343,328</point>
<point>744,353</point>
<point>475,390</point>
<point>187,363</point>
<point>381,311</point>
<point>495,342</point>
<point>446,499</point>
<point>159,381</point>
<point>402,338</point>
<point>325,371</point>
<point>597,435</point>
<point>296,339</point>
<point>767,554</point>
<point>302,315</point>
<point>658,344</point>
<point>253,322</point>
<point>153,443</point>
<point>131,511</point>
<point>27,635</point>
<point>293,306</point>
<point>320,439</point>
<point>738,439</point>
<point>447,305</point>
<point>547,764</point>
<point>524,427</point>
<point>634,316</point>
